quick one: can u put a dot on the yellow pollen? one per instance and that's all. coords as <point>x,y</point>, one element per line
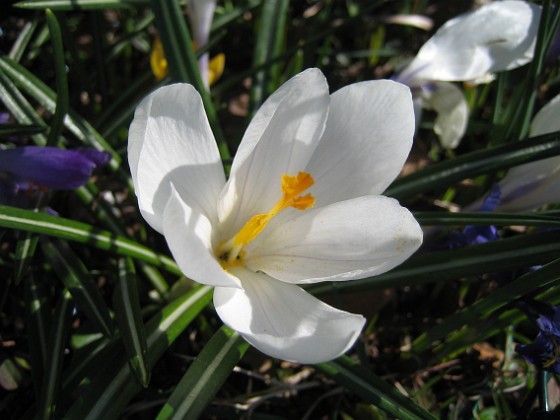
<point>292,187</point>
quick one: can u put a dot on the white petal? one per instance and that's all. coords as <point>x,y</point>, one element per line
<point>547,121</point>
<point>348,240</point>
<point>366,141</point>
<point>534,184</point>
<point>545,189</point>
<point>499,36</point>
<point>170,141</point>
<point>201,13</point>
<point>452,113</point>
<point>281,140</point>
<point>189,237</point>
<point>284,321</point>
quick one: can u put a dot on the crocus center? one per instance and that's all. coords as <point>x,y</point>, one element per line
<point>231,252</point>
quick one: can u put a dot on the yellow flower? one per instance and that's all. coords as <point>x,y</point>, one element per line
<point>160,68</point>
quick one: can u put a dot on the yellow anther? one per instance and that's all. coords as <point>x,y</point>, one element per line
<point>159,65</point>
<point>216,68</point>
<point>157,60</point>
<point>292,187</point>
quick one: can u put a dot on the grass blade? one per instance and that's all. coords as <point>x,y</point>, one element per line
<point>113,388</point>
<point>57,342</point>
<point>446,173</point>
<point>71,230</point>
<point>46,97</point>
<point>206,375</point>
<point>270,39</point>
<point>80,4</point>
<point>62,101</point>
<point>8,130</point>
<point>485,219</point>
<point>22,111</point>
<point>373,389</point>
<point>478,311</point>
<point>38,317</point>
<point>23,39</point>
<point>77,280</point>
<point>24,254</point>
<point>507,254</point>
<point>129,318</point>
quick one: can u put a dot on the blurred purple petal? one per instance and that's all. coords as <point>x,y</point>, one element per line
<point>96,156</point>
<point>51,167</point>
<point>544,351</point>
<point>492,200</point>
<point>472,235</point>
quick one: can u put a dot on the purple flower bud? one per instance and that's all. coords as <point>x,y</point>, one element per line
<point>51,167</point>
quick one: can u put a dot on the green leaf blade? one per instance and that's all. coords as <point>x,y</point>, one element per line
<point>129,318</point>
<point>77,280</point>
<point>205,376</point>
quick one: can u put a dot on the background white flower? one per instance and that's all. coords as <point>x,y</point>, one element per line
<point>256,237</point>
<point>498,36</point>
<point>528,186</point>
<point>201,14</point>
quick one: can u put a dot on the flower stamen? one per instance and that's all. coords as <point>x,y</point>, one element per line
<point>292,187</point>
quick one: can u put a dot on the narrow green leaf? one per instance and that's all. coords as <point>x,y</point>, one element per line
<point>29,221</point>
<point>20,108</point>
<point>46,97</point>
<point>80,4</point>
<point>62,101</point>
<point>77,280</point>
<point>118,114</point>
<point>38,317</point>
<point>24,254</point>
<point>129,317</point>
<point>507,254</point>
<point>9,130</point>
<point>177,43</point>
<point>51,381</point>
<point>370,387</point>
<point>485,219</point>
<point>475,313</point>
<point>548,27</point>
<point>458,341</point>
<point>89,194</point>
<point>270,39</point>
<point>206,375</point>
<point>446,173</point>
<point>23,39</point>
<point>86,361</point>
<point>114,387</point>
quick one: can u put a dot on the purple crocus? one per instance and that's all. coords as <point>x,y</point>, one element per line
<point>472,235</point>
<point>544,351</point>
<point>26,167</point>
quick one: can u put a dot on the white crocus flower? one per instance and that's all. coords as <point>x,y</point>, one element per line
<point>528,186</point>
<point>302,204</point>
<point>449,103</point>
<point>498,36</point>
<point>201,13</point>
